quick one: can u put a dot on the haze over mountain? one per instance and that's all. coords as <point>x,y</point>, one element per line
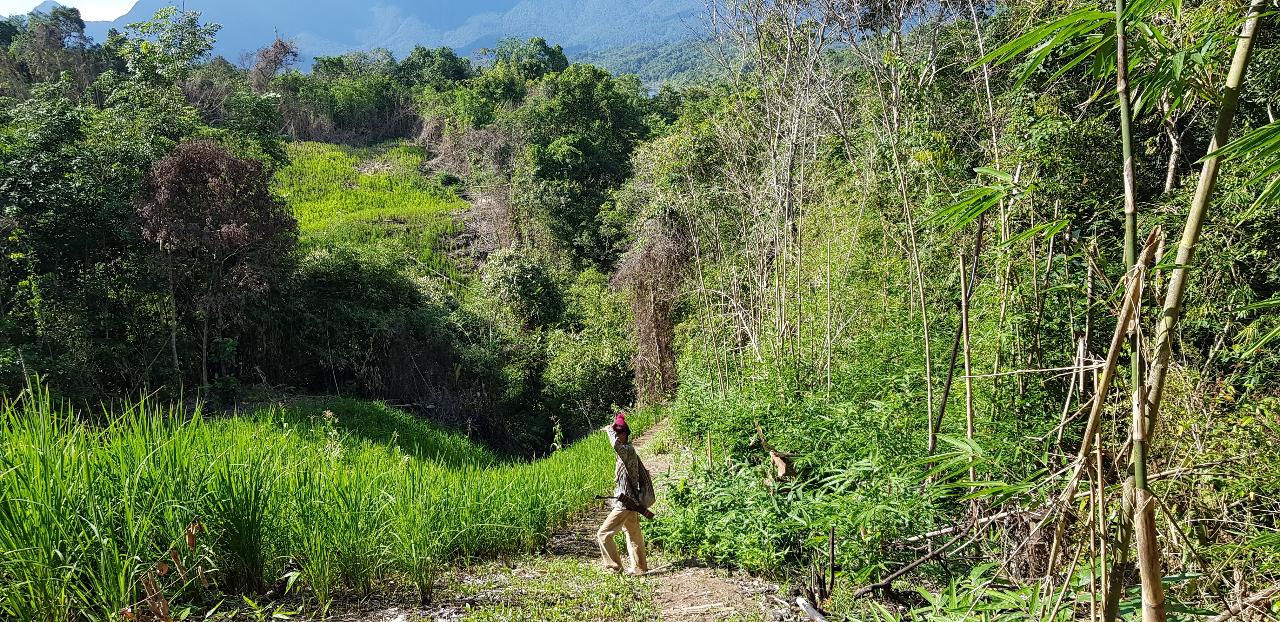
<point>321,27</point>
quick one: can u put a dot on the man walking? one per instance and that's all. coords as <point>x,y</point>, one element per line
<point>633,482</point>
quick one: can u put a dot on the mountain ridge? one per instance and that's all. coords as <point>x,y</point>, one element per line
<point>328,27</point>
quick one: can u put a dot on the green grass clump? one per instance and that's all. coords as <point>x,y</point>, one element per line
<point>370,198</point>
<point>345,492</point>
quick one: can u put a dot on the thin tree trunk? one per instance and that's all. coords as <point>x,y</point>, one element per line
<point>986,83</point>
<point>830,232</point>
<point>204,351</point>
<point>173,327</point>
<point>1100,518</point>
<point>936,423</point>
<point>919,274</point>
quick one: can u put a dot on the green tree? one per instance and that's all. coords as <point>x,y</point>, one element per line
<point>224,237</point>
<point>77,294</point>
<point>581,130</point>
<point>48,44</point>
<point>436,68</point>
<point>516,278</point>
<point>532,59</point>
<point>167,47</point>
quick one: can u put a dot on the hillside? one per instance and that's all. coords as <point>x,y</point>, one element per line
<point>939,315</point>
<point>674,63</point>
<point>351,492</point>
<point>330,27</point>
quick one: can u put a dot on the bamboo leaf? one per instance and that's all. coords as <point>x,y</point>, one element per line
<point>1041,42</point>
<point>1049,229</point>
<point>1259,148</point>
<point>1267,338</point>
<point>969,205</point>
<point>998,174</point>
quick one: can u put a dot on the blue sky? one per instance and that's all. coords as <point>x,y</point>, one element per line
<point>92,10</point>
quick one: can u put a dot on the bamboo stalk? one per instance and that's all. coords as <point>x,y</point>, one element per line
<point>1130,257</point>
<point>1126,140</point>
<point>1144,517</point>
<point>1147,407</point>
<point>1113,358</point>
<point>1127,311</point>
<point>968,371</point>
<point>1120,565</point>
<point>1172,311</point>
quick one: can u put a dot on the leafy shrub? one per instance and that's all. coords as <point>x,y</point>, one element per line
<point>857,469</point>
<point>514,277</point>
<point>359,323</point>
<point>588,365</point>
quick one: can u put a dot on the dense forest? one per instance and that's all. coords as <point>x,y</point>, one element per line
<point>953,310</point>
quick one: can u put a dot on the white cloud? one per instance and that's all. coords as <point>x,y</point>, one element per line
<point>91,10</point>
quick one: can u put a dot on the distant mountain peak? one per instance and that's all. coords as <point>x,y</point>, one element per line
<point>326,27</point>
<point>46,7</point>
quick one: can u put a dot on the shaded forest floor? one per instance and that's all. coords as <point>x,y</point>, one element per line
<point>567,581</point>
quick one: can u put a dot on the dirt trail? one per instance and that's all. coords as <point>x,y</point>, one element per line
<point>683,591</point>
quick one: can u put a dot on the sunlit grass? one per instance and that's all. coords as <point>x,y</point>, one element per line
<point>371,198</point>
<point>343,492</point>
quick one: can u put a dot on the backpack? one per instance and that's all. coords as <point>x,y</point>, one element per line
<point>647,495</point>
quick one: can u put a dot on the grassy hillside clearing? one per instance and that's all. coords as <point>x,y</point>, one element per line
<point>333,495</point>
<point>374,197</point>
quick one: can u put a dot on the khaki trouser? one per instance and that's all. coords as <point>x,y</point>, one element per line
<point>620,520</point>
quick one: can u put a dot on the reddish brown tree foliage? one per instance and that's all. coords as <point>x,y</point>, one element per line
<point>225,238</point>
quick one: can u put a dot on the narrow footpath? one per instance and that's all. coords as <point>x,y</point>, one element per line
<point>567,582</point>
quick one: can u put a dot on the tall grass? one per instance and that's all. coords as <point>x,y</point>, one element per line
<point>86,510</point>
<point>374,197</point>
